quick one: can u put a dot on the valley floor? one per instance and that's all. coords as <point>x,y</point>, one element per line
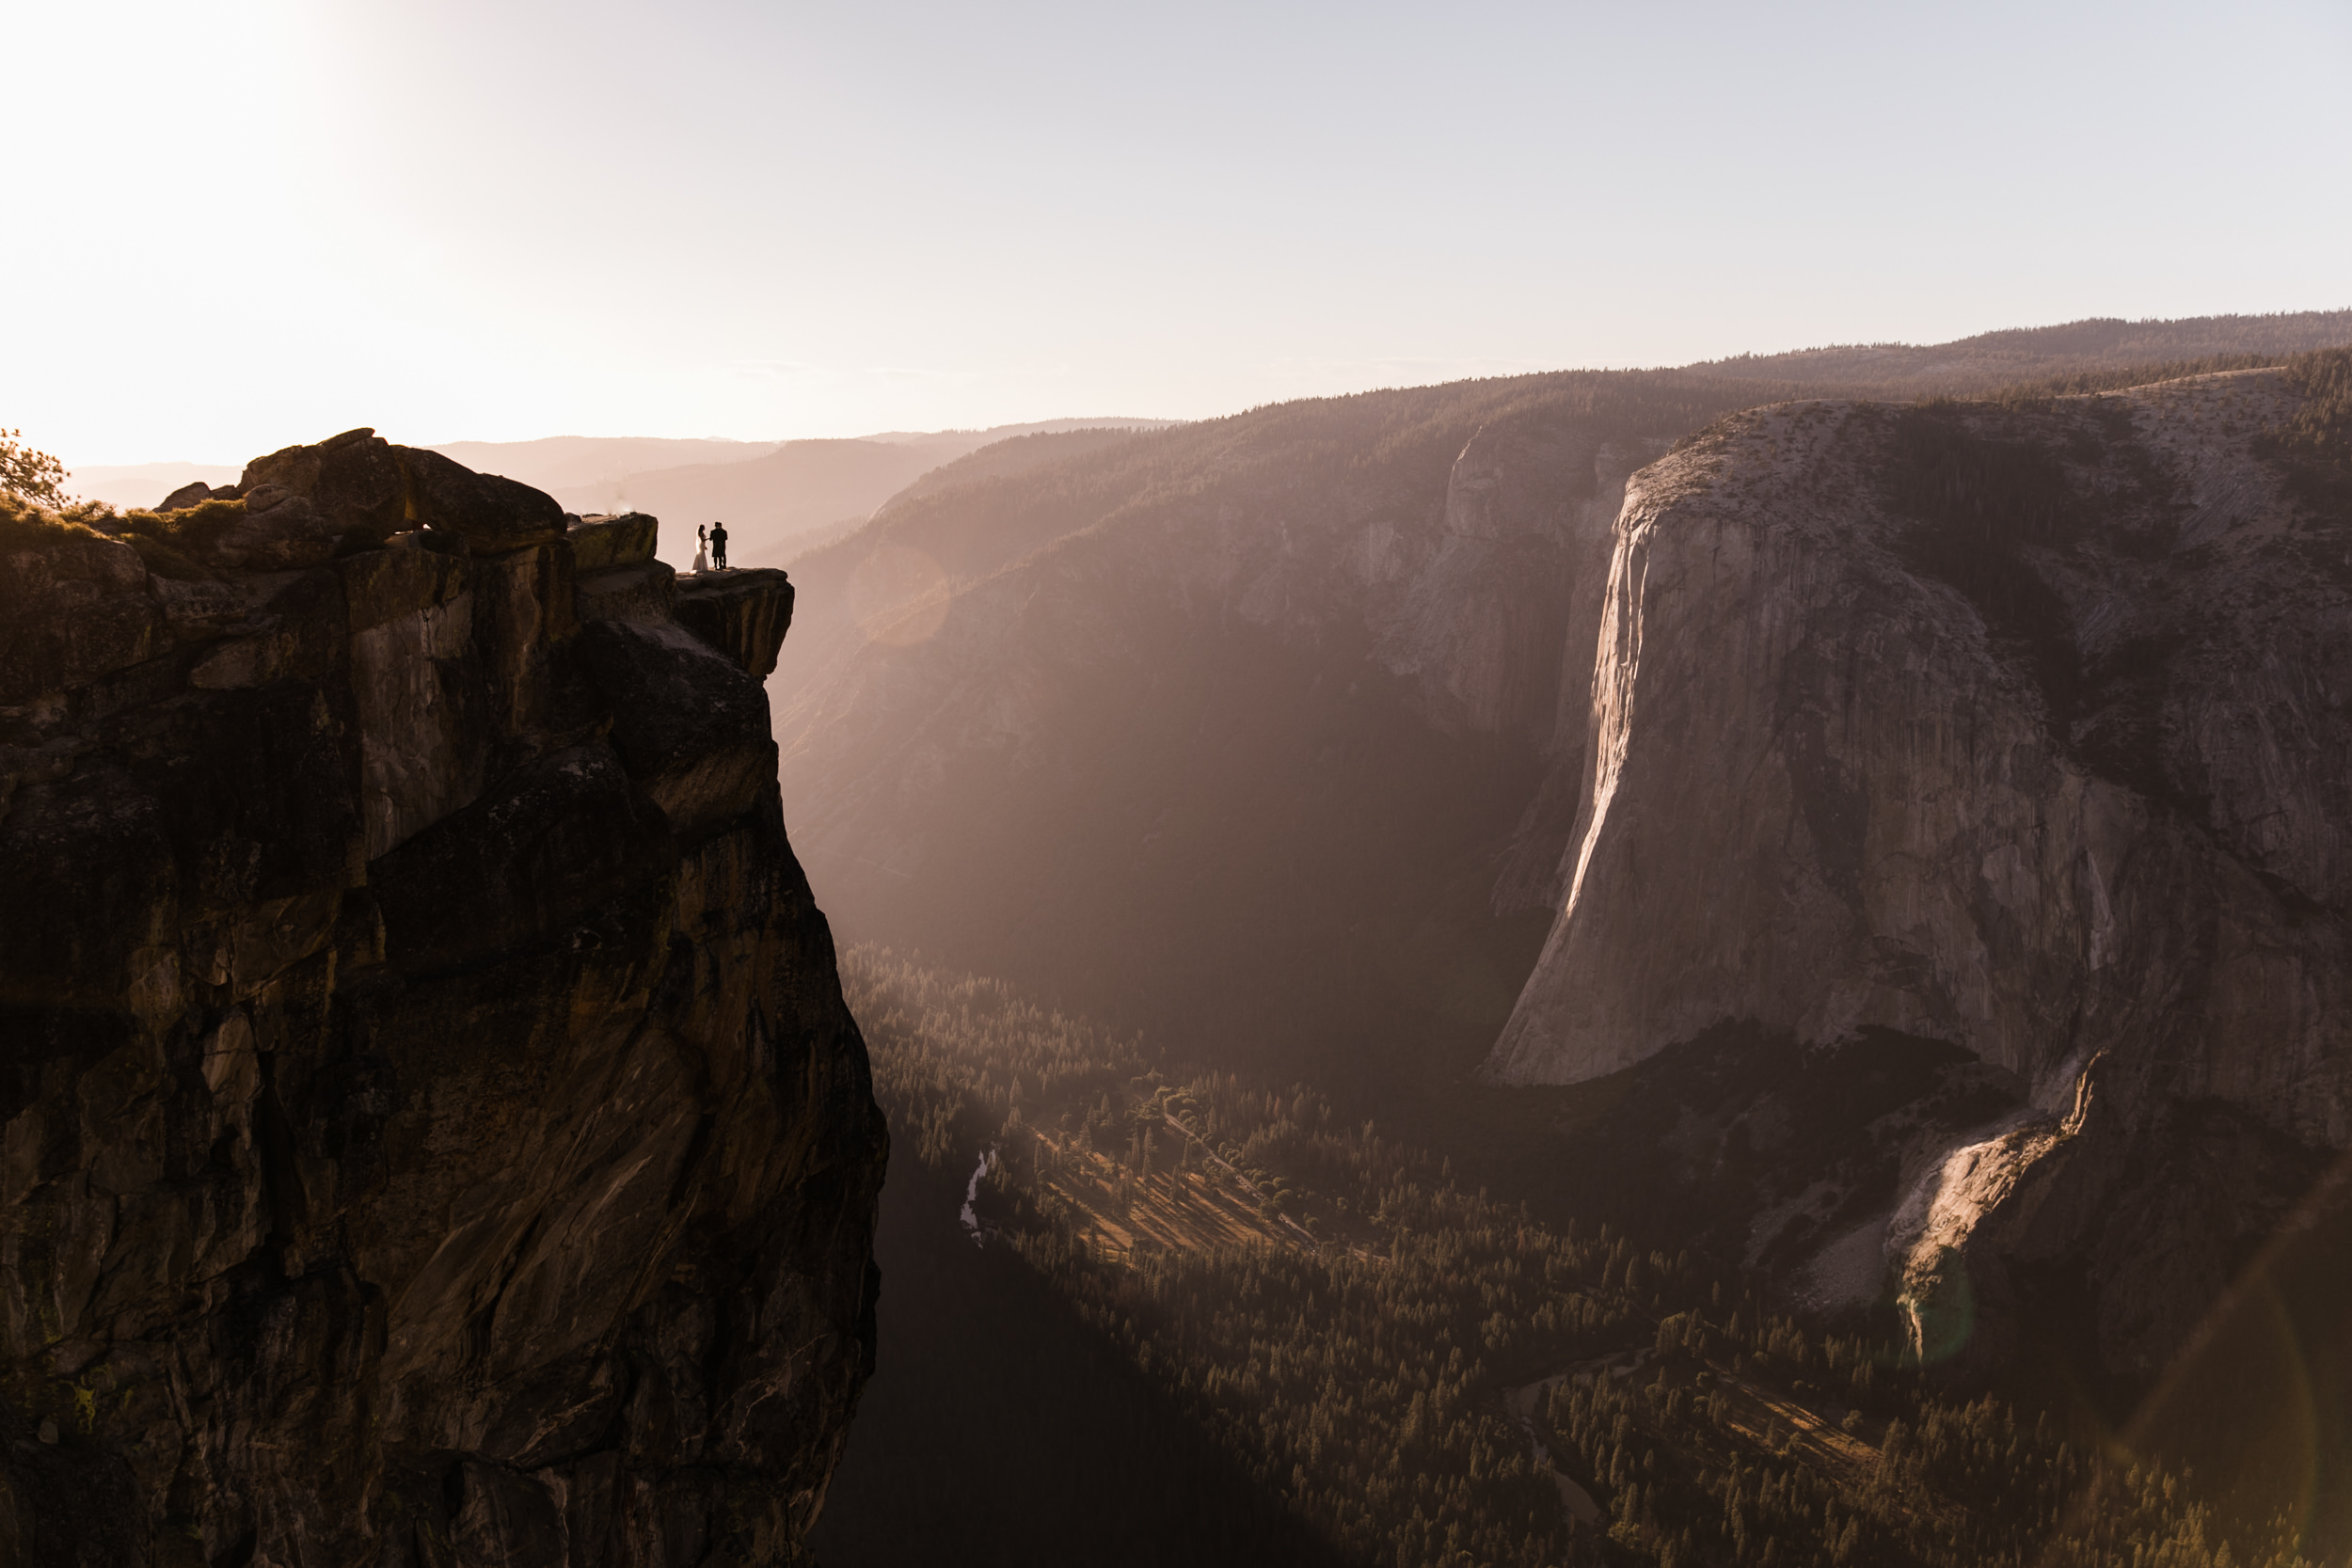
<point>1212,1320</point>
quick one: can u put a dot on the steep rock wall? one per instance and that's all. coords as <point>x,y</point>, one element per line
<point>432,1131</point>
<point>1230,729</point>
<point>2024,729</point>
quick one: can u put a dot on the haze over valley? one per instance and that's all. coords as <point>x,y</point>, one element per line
<point>1741,901</point>
<point>1282,740</point>
<point>1507,787</point>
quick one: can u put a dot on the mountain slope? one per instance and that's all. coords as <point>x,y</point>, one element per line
<point>1128,725</point>
<point>1268,728</point>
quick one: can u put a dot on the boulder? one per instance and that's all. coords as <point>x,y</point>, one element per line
<point>354,481</point>
<point>598,543</point>
<point>493,513</point>
<point>361,486</point>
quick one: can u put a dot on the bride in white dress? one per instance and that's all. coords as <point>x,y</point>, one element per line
<point>702,549</point>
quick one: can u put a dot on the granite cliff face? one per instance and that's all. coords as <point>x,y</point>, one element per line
<point>2024,728</point>
<point>1270,729</point>
<point>433,1131</point>
<point>1224,728</point>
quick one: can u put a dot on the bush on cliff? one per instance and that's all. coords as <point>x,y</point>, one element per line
<point>170,543</point>
<point>191,527</point>
<point>24,525</point>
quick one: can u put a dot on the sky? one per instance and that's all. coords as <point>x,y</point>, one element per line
<point>258,222</point>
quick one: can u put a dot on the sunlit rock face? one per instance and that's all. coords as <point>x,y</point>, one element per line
<point>2020,728</point>
<point>1497,629</point>
<point>433,1131</point>
<point>1229,731</point>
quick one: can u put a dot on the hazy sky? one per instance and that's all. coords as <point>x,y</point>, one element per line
<point>256,221</point>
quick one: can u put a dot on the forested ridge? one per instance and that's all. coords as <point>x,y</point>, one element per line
<point>1387,1349</point>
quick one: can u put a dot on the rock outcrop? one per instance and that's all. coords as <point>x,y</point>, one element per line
<point>2022,728</point>
<point>432,1131</point>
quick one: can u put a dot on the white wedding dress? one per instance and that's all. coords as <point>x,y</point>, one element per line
<point>702,559</point>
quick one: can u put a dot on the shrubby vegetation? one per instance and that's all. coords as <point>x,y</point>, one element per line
<point>24,523</point>
<point>167,543</point>
<point>1363,1377</point>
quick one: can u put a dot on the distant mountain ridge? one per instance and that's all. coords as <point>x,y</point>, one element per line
<point>962,439</point>
<point>613,473</point>
<point>553,463</point>
<point>2019,354</point>
<point>773,502</point>
<point>130,484</point>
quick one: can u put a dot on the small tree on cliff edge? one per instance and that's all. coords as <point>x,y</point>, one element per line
<point>28,475</point>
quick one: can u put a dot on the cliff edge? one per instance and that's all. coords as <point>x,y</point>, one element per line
<point>432,1131</point>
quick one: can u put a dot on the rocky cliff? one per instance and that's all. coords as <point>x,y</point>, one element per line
<point>433,1131</point>
<point>1269,730</point>
<point>1223,729</point>
<point>2024,727</point>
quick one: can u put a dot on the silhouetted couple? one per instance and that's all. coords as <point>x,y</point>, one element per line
<point>713,539</point>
